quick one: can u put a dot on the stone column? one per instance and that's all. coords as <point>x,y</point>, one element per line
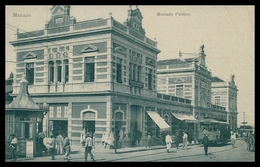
<point>70,120</point>
<point>143,120</point>
<point>63,71</point>
<point>55,71</point>
<point>128,119</point>
<point>109,112</point>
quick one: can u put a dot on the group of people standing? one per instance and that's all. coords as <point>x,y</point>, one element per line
<point>180,137</point>
<point>184,138</point>
<point>58,145</point>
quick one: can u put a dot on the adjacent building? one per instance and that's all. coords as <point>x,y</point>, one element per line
<point>224,93</point>
<point>188,77</point>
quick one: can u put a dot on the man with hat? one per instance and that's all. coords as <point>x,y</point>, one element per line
<point>13,146</point>
<point>88,147</point>
<point>205,142</point>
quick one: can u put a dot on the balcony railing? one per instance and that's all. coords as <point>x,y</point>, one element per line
<point>90,24</point>
<point>173,98</point>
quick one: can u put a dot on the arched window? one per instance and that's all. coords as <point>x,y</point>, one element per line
<point>88,115</point>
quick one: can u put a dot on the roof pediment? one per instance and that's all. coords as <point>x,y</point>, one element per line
<point>89,48</point>
<point>179,80</point>
<point>29,55</point>
<point>120,49</point>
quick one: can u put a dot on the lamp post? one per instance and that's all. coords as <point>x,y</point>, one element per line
<point>244,122</point>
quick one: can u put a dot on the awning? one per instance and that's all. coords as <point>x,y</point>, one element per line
<point>159,120</point>
<point>210,120</point>
<point>184,117</point>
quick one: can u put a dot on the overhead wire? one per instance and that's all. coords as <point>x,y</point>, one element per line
<point>239,34</point>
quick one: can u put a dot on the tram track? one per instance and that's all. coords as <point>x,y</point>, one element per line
<point>136,157</point>
<point>196,155</point>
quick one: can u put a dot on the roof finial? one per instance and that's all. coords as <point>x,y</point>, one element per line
<point>180,54</point>
<point>110,14</point>
<point>130,7</point>
<point>202,48</point>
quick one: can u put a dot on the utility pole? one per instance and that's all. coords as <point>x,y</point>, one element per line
<point>113,102</point>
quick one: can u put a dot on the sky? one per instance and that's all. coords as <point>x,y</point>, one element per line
<point>227,32</point>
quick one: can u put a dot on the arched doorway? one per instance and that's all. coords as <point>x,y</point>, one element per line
<point>88,121</point>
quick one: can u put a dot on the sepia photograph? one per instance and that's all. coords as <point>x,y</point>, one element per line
<point>130,83</point>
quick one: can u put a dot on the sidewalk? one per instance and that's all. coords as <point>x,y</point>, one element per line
<point>78,151</point>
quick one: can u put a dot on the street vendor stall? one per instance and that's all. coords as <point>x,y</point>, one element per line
<point>24,118</point>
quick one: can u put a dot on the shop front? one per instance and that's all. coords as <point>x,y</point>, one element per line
<point>157,127</point>
<point>187,123</point>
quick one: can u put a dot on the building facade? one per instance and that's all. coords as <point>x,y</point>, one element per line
<point>225,94</point>
<point>96,75</point>
<point>188,77</point>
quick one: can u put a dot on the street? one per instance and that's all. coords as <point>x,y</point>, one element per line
<point>194,153</point>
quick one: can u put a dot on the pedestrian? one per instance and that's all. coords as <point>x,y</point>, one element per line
<point>205,142</point>
<point>185,140</point>
<point>168,141</point>
<point>52,146</point>
<point>66,146</point>
<point>233,138</point>
<point>13,146</point>
<point>250,141</point>
<point>88,147</point>
<point>59,144</point>
<point>149,140</point>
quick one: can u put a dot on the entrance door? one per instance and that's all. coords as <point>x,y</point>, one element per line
<point>118,126</point>
<point>60,127</point>
<point>89,126</point>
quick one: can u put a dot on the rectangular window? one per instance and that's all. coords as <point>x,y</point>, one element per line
<point>51,111</point>
<point>139,72</point>
<point>59,72</point>
<point>130,72</point>
<point>59,20</point>
<point>30,73</point>
<point>136,26</point>
<point>179,90</point>
<point>89,69</point>
<point>217,100</point>
<point>26,129</point>
<point>58,111</point>
<point>66,112</point>
<point>135,72</point>
<point>66,71</point>
<point>51,72</point>
<point>119,70</point>
<point>150,79</point>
